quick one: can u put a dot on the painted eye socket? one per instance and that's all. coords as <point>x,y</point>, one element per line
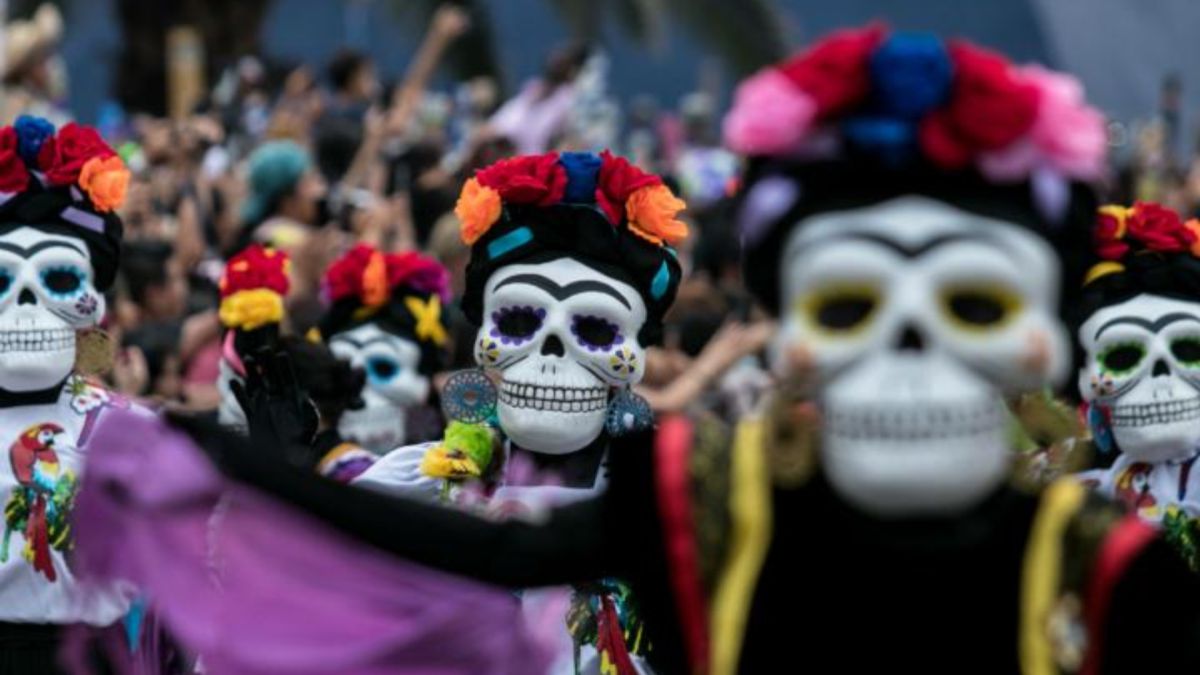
<point>6,279</point>
<point>980,307</point>
<point>1121,358</point>
<point>516,324</point>
<point>594,332</point>
<point>62,281</point>
<point>841,309</point>
<point>381,369</point>
<point>1187,350</point>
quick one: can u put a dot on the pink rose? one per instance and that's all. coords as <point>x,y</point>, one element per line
<point>1069,133</point>
<point>770,116</point>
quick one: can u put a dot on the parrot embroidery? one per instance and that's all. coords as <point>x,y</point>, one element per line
<point>1133,490</point>
<point>40,503</point>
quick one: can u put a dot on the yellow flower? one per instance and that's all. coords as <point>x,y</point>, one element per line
<point>478,208</point>
<point>251,309</point>
<point>651,211</point>
<point>105,180</point>
<point>441,462</point>
<point>429,319</point>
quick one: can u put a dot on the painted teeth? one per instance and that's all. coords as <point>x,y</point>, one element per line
<point>554,399</point>
<point>1147,414</point>
<point>59,339</point>
<point>914,424</point>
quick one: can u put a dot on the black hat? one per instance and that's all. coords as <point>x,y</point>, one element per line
<point>866,115</point>
<point>68,183</point>
<point>595,208</point>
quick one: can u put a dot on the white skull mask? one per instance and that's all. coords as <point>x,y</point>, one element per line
<point>562,334</point>
<point>1143,364</point>
<point>394,384</point>
<point>917,317</point>
<point>46,294</point>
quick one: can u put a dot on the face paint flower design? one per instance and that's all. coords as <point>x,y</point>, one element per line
<point>489,351</point>
<point>624,363</point>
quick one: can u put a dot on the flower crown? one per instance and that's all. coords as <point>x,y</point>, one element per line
<point>624,193</point>
<point>1145,227</point>
<point>253,286</point>
<point>367,277</point>
<point>75,156</point>
<point>895,95</point>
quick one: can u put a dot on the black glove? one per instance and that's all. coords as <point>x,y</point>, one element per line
<point>278,412</point>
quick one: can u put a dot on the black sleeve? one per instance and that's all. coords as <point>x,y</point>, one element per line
<point>1153,622</point>
<point>569,546</point>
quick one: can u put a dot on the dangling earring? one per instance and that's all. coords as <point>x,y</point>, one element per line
<point>628,413</point>
<point>469,397</point>
<point>1099,424</point>
<point>94,352</point>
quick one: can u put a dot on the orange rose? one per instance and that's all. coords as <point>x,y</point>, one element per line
<point>478,208</point>
<point>652,210</point>
<point>1192,225</point>
<point>105,179</point>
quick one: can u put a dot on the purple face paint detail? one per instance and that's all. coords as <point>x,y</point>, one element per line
<point>768,200</point>
<point>516,325</point>
<point>86,305</point>
<point>595,333</point>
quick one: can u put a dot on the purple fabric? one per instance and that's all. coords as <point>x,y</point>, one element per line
<point>256,587</point>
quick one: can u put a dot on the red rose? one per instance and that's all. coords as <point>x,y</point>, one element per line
<point>617,181</point>
<point>1108,235</point>
<point>419,272</point>
<point>344,278</point>
<point>14,177</point>
<point>989,108</point>
<point>834,71</point>
<point>62,156</point>
<point>256,267</point>
<point>532,179</point>
<point>1159,228</point>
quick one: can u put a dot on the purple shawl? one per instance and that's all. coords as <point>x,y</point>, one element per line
<point>255,587</point>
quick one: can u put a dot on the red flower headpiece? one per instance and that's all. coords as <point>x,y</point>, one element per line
<point>370,275</point>
<point>622,191</point>
<point>899,94</point>
<point>1144,227</point>
<point>253,286</point>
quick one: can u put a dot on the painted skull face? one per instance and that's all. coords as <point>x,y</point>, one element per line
<point>394,383</point>
<point>916,318</point>
<point>46,294</point>
<point>562,335</point>
<point>1143,365</point>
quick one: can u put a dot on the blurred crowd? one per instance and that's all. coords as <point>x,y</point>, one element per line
<point>313,160</point>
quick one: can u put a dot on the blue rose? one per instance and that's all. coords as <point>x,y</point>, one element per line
<point>911,74</point>
<point>889,138</point>
<point>583,170</point>
<point>32,132</point>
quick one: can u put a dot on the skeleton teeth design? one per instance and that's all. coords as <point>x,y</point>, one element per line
<point>924,423</point>
<point>60,339</point>
<point>1147,414</point>
<point>554,399</point>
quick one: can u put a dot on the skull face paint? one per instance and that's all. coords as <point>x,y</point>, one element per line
<point>394,383</point>
<point>1143,364</point>
<point>46,294</point>
<point>916,318</point>
<point>561,334</point>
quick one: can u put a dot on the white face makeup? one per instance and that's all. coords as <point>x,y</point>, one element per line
<point>46,294</point>
<point>1143,364</point>
<point>562,335</point>
<point>394,383</point>
<point>916,317</point>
